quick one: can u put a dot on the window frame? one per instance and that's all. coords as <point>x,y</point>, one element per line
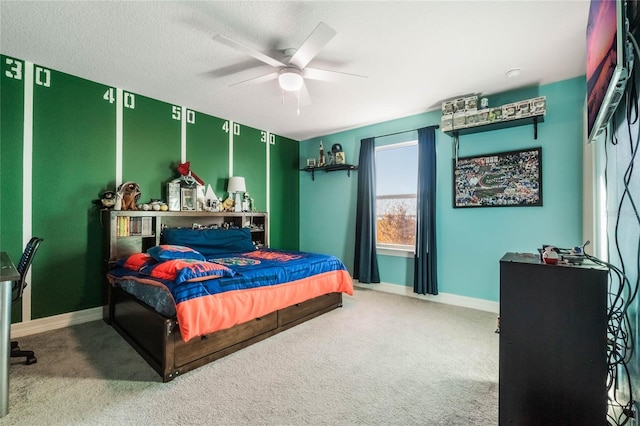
<point>400,250</point>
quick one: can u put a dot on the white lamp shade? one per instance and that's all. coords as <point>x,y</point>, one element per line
<point>290,79</point>
<point>236,184</point>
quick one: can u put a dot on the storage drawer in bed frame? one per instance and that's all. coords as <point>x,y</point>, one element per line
<point>309,307</point>
<point>157,338</point>
<point>197,348</point>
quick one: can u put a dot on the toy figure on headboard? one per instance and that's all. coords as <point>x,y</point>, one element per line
<point>228,204</point>
<point>184,170</point>
<point>129,192</point>
<point>107,200</point>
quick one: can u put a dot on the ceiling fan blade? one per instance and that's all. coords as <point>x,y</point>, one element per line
<point>249,51</point>
<point>325,75</point>
<point>312,45</point>
<point>260,79</point>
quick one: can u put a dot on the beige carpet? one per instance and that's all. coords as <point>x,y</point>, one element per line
<point>382,359</point>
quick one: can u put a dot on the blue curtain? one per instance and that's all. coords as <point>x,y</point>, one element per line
<point>365,268</point>
<point>425,274</point>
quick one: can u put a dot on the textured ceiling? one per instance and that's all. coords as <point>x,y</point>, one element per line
<point>415,54</point>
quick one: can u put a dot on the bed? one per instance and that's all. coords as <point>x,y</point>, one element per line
<point>202,294</point>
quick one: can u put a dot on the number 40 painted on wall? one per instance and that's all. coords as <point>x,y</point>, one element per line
<point>129,98</point>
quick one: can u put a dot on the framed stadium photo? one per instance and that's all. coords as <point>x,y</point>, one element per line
<point>503,179</point>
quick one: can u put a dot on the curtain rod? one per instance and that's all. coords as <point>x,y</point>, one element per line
<point>435,126</point>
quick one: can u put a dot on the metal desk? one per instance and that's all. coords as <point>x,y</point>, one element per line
<point>8,274</point>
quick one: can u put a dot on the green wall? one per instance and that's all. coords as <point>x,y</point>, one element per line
<point>207,136</point>
<point>250,160</point>
<point>11,135</point>
<point>151,144</point>
<point>470,241</point>
<point>73,152</point>
<point>73,127</point>
<point>285,184</point>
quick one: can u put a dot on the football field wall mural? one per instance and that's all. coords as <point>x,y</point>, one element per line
<point>66,139</point>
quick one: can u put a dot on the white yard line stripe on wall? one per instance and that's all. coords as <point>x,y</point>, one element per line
<point>268,193</point>
<point>119,136</point>
<point>230,148</point>
<point>27,179</point>
<point>183,136</point>
<point>268,174</point>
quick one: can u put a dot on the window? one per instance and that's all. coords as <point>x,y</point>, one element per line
<point>396,195</point>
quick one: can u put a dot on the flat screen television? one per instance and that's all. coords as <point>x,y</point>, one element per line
<point>606,63</point>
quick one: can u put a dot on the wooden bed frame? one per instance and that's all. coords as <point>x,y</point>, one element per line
<point>156,337</point>
<point>158,340</point>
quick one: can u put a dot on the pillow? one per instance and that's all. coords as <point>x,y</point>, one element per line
<point>136,261</point>
<point>187,270</point>
<point>211,242</point>
<point>169,252</point>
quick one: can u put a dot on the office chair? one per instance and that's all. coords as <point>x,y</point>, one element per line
<point>18,287</point>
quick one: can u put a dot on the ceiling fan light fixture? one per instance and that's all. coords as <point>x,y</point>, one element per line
<point>290,79</point>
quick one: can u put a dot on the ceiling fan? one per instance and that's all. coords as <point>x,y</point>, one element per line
<point>292,70</point>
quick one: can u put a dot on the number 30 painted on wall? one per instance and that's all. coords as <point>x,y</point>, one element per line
<point>43,75</point>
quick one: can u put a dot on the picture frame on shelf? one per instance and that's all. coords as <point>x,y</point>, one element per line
<point>503,179</point>
<point>188,198</point>
<point>173,196</point>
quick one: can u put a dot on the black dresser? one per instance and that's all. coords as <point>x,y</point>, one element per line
<point>553,345</point>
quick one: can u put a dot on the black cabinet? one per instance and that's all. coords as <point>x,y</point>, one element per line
<point>553,346</point>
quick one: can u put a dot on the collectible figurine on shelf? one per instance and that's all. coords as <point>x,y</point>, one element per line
<point>127,196</point>
<point>246,203</point>
<point>185,170</point>
<point>108,199</point>
<point>321,160</point>
<point>227,205</point>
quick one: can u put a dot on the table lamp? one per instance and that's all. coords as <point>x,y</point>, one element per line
<point>235,186</point>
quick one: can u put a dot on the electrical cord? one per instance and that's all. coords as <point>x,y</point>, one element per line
<point>622,292</point>
<point>619,333</point>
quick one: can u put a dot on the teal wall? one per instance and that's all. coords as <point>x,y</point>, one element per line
<point>470,241</point>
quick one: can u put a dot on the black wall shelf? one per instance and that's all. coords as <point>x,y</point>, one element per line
<point>503,124</point>
<point>332,168</point>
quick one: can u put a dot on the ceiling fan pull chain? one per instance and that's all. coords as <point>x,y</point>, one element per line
<point>298,95</point>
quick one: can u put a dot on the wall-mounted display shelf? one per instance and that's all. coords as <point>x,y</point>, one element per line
<point>502,124</point>
<point>332,168</point>
<point>462,116</point>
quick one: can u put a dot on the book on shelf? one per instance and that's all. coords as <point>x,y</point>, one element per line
<point>134,226</point>
<point>122,226</point>
<point>147,225</point>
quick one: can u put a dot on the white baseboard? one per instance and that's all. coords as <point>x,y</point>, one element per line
<point>40,325</point>
<point>447,298</point>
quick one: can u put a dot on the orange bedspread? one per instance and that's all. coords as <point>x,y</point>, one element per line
<point>208,314</point>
